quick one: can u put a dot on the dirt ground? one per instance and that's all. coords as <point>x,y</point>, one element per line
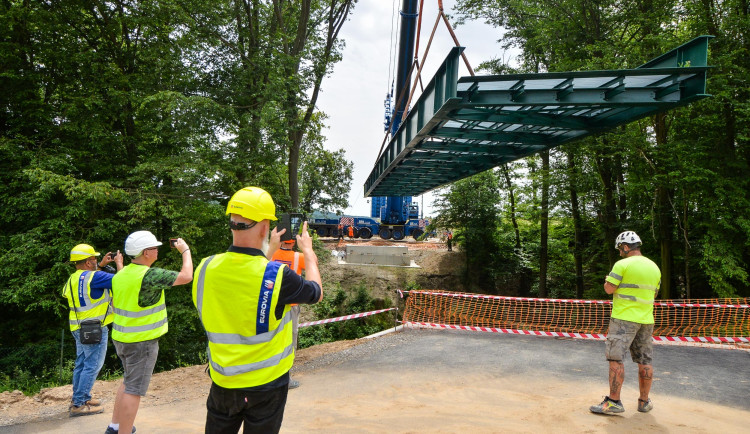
<point>183,384</point>
<point>411,382</point>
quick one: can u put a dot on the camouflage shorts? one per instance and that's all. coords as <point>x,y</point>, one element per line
<point>624,335</point>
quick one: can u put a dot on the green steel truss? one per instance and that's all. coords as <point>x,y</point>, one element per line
<point>463,126</point>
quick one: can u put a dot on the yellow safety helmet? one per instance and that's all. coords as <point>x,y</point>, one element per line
<point>253,203</point>
<point>81,252</point>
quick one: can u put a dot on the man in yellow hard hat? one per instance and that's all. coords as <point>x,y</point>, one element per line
<point>89,292</point>
<point>141,319</point>
<point>244,302</point>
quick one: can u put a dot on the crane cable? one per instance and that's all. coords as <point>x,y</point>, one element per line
<point>441,14</point>
<point>391,57</point>
<point>391,54</point>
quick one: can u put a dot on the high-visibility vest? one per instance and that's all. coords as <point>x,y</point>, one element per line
<point>134,323</point>
<point>637,279</point>
<point>236,296</point>
<point>294,260</point>
<point>80,303</point>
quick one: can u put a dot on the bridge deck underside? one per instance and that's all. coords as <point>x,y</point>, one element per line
<point>460,127</point>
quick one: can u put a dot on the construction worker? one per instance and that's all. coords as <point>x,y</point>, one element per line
<point>295,261</point>
<point>634,281</point>
<point>89,292</point>
<point>450,241</point>
<point>244,302</point>
<point>341,231</point>
<point>140,319</point>
<point>351,232</point>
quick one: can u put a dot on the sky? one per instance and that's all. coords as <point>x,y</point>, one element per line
<point>352,96</point>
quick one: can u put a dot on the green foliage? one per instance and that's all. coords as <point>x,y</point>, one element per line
<point>336,302</point>
<point>469,208</point>
<point>122,116</point>
<point>678,179</point>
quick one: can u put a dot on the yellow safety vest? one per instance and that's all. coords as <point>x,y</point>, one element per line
<point>132,322</point>
<point>637,279</point>
<point>236,296</point>
<point>82,307</point>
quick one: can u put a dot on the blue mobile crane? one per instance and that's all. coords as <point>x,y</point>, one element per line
<point>399,216</point>
<point>391,217</point>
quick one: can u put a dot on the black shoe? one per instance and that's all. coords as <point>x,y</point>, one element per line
<point>111,430</point>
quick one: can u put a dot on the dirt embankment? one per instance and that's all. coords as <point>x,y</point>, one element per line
<point>438,269</point>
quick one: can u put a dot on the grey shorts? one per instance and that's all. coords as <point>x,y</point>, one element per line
<point>138,360</point>
<point>624,335</point>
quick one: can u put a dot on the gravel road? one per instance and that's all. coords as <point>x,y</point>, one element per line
<point>460,381</point>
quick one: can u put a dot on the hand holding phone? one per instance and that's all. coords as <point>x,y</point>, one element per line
<point>293,225</point>
<point>173,243</point>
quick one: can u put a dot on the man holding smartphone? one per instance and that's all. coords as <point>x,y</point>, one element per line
<point>141,319</point>
<point>89,293</point>
<point>244,303</point>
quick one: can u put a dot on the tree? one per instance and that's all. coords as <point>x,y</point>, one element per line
<point>671,176</point>
<point>469,208</point>
<point>125,115</point>
<point>267,64</point>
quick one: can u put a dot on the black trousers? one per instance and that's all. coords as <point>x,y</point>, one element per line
<point>261,412</point>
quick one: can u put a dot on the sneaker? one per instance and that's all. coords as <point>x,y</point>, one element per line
<point>293,384</point>
<point>645,406</point>
<point>85,410</point>
<point>608,406</point>
<point>111,430</point>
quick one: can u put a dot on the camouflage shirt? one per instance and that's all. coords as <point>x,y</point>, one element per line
<point>154,282</point>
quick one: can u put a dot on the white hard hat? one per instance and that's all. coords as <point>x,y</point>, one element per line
<point>138,241</point>
<point>628,237</point>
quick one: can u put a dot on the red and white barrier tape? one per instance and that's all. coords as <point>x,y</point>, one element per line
<point>567,300</point>
<point>344,318</point>
<point>704,339</point>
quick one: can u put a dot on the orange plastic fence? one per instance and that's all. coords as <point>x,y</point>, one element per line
<point>673,318</point>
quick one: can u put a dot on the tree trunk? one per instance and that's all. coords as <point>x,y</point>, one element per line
<point>337,14</point>
<point>575,211</point>
<point>512,198</point>
<point>525,274</point>
<point>604,167</point>
<point>664,215</point>
<point>686,245</point>
<point>544,223</point>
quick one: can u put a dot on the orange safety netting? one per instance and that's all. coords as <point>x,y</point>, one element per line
<point>727,317</point>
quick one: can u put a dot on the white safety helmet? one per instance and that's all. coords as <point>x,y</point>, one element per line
<point>138,241</point>
<point>628,237</point>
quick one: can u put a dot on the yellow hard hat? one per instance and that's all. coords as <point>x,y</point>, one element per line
<point>81,252</point>
<point>253,203</point>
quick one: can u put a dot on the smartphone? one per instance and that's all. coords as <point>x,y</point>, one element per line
<point>173,243</point>
<point>293,225</point>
